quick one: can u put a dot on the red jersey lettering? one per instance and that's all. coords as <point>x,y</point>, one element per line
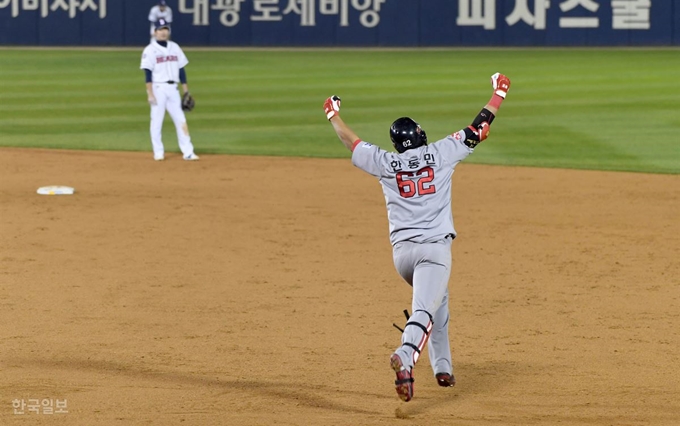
<point>171,58</point>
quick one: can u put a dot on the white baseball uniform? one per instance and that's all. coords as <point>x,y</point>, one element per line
<point>417,189</point>
<point>155,14</point>
<point>164,64</point>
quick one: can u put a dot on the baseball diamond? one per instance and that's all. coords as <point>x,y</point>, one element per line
<point>162,301</point>
<point>262,284</point>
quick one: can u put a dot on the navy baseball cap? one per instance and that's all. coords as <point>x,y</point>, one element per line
<point>161,23</point>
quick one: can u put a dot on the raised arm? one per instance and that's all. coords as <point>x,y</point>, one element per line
<point>479,129</point>
<point>332,109</point>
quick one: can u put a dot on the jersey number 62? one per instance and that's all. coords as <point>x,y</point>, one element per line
<point>412,183</point>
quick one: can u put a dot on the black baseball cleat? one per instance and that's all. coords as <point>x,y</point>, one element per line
<point>404,382</point>
<point>445,380</point>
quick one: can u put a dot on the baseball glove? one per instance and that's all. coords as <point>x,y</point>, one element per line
<point>188,102</point>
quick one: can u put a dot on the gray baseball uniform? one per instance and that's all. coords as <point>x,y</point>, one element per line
<point>417,189</point>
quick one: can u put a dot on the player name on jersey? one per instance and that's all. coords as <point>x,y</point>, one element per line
<point>416,185</point>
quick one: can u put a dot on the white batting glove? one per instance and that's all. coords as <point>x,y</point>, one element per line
<point>152,100</point>
<point>501,84</point>
<point>332,107</point>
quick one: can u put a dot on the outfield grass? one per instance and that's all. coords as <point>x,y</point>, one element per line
<point>594,109</point>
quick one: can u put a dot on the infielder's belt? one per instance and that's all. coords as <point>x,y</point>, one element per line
<point>168,82</point>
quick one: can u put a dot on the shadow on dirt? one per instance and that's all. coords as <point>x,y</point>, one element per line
<point>296,393</point>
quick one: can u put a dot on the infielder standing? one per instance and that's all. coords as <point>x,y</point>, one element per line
<point>158,12</point>
<point>163,63</point>
<point>416,182</point>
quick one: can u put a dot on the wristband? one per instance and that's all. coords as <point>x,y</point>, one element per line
<point>496,100</point>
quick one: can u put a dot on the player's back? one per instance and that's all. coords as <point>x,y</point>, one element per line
<point>416,185</point>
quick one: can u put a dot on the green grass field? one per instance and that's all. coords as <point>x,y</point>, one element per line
<point>609,109</point>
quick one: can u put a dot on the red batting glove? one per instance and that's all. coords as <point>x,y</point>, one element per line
<point>332,107</point>
<point>501,85</point>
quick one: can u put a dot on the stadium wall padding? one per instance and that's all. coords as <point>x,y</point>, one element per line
<point>378,23</point>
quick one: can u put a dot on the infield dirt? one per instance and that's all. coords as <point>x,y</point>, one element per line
<point>261,291</point>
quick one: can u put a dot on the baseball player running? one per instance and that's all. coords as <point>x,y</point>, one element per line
<point>416,182</point>
<point>163,62</point>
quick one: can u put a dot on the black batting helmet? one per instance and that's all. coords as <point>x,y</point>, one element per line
<point>406,134</point>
